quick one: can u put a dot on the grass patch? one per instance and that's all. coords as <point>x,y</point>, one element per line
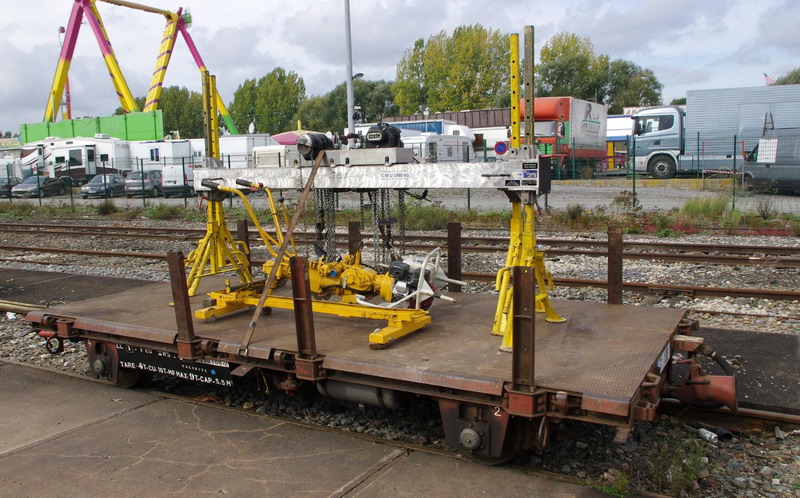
<point>677,465</point>
<point>165,212</point>
<point>705,208</point>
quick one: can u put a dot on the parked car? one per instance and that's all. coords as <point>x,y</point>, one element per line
<point>145,183</point>
<point>39,186</point>
<point>104,186</point>
<point>7,183</point>
<point>178,180</point>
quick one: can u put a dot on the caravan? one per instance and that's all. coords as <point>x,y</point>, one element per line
<point>77,159</point>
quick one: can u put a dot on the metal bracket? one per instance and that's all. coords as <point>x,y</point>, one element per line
<point>309,369</point>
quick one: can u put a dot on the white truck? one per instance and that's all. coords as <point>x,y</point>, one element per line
<point>715,133</point>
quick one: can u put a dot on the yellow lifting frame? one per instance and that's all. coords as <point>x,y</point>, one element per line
<point>401,321</point>
<point>522,251</point>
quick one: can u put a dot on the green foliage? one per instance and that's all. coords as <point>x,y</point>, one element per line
<point>678,101</point>
<point>243,108</point>
<point>278,97</point>
<point>765,206</point>
<point>183,111</point>
<point>460,71</point>
<point>329,112</point>
<point>626,202</point>
<point>676,466</point>
<point>106,207</point>
<point>629,85</point>
<point>569,67</point>
<point>790,78</point>
<point>705,208</point>
<point>164,212</point>
<point>620,488</point>
<point>270,103</point>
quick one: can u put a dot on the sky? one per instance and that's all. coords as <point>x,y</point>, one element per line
<point>689,44</point>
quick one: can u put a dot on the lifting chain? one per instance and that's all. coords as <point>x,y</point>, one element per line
<point>326,223</point>
<point>401,220</point>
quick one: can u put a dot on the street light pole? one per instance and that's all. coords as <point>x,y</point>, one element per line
<point>351,127</point>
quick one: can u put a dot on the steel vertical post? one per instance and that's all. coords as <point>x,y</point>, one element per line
<point>454,255</point>
<point>187,342</point>
<point>304,318</point>
<point>514,84</point>
<point>523,360</point>
<point>353,237</point>
<point>614,265</point>
<point>528,75</point>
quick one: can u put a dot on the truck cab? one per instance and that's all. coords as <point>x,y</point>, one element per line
<point>658,135</point>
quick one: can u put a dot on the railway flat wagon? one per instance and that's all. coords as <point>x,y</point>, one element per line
<point>607,363</point>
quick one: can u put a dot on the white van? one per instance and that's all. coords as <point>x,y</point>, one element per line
<point>177,180</point>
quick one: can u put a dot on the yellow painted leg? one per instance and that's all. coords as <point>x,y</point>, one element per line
<point>217,252</point>
<point>522,251</point>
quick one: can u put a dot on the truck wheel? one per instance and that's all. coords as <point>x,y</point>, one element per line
<point>662,167</point>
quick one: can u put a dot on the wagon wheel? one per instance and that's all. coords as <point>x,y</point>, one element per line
<point>128,378</point>
<point>517,432</point>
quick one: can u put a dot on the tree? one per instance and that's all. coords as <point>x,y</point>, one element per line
<point>278,98</point>
<point>183,111</point>
<point>630,86</point>
<point>243,108</point>
<point>466,70</point>
<point>678,101</point>
<point>569,67</point>
<point>329,112</point>
<point>790,78</point>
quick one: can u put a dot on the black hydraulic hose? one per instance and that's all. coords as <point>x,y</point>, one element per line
<point>706,350</point>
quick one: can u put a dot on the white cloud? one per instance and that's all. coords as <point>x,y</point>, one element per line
<point>688,44</point>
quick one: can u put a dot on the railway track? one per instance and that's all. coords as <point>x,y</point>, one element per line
<point>774,256</point>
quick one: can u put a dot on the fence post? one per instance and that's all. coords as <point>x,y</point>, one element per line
<point>141,169</point>
<point>699,157</point>
<point>572,154</point>
<point>633,177</point>
<point>733,199</point>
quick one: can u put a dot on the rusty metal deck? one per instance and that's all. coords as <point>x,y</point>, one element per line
<point>602,350</point>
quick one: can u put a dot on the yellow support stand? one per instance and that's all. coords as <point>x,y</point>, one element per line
<point>522,251</point>
<point>217,252</point>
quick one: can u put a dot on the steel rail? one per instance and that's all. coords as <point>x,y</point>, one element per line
<point>716,259</point>
<point>157,232</point>
<point>639,288</point>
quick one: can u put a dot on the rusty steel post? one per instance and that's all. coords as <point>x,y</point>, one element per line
<point>353,237</point>
<point>304,319</point>
<point>243,234</point>
<point>524,330</point>
<point>454,255</point>
<point>187,342</point>
<point>615,265</point>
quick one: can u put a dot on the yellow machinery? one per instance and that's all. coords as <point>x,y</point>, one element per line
<point>405,292</point>
<point>522,250</point>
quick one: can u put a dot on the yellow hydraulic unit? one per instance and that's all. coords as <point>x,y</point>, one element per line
<point>405,292</point>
